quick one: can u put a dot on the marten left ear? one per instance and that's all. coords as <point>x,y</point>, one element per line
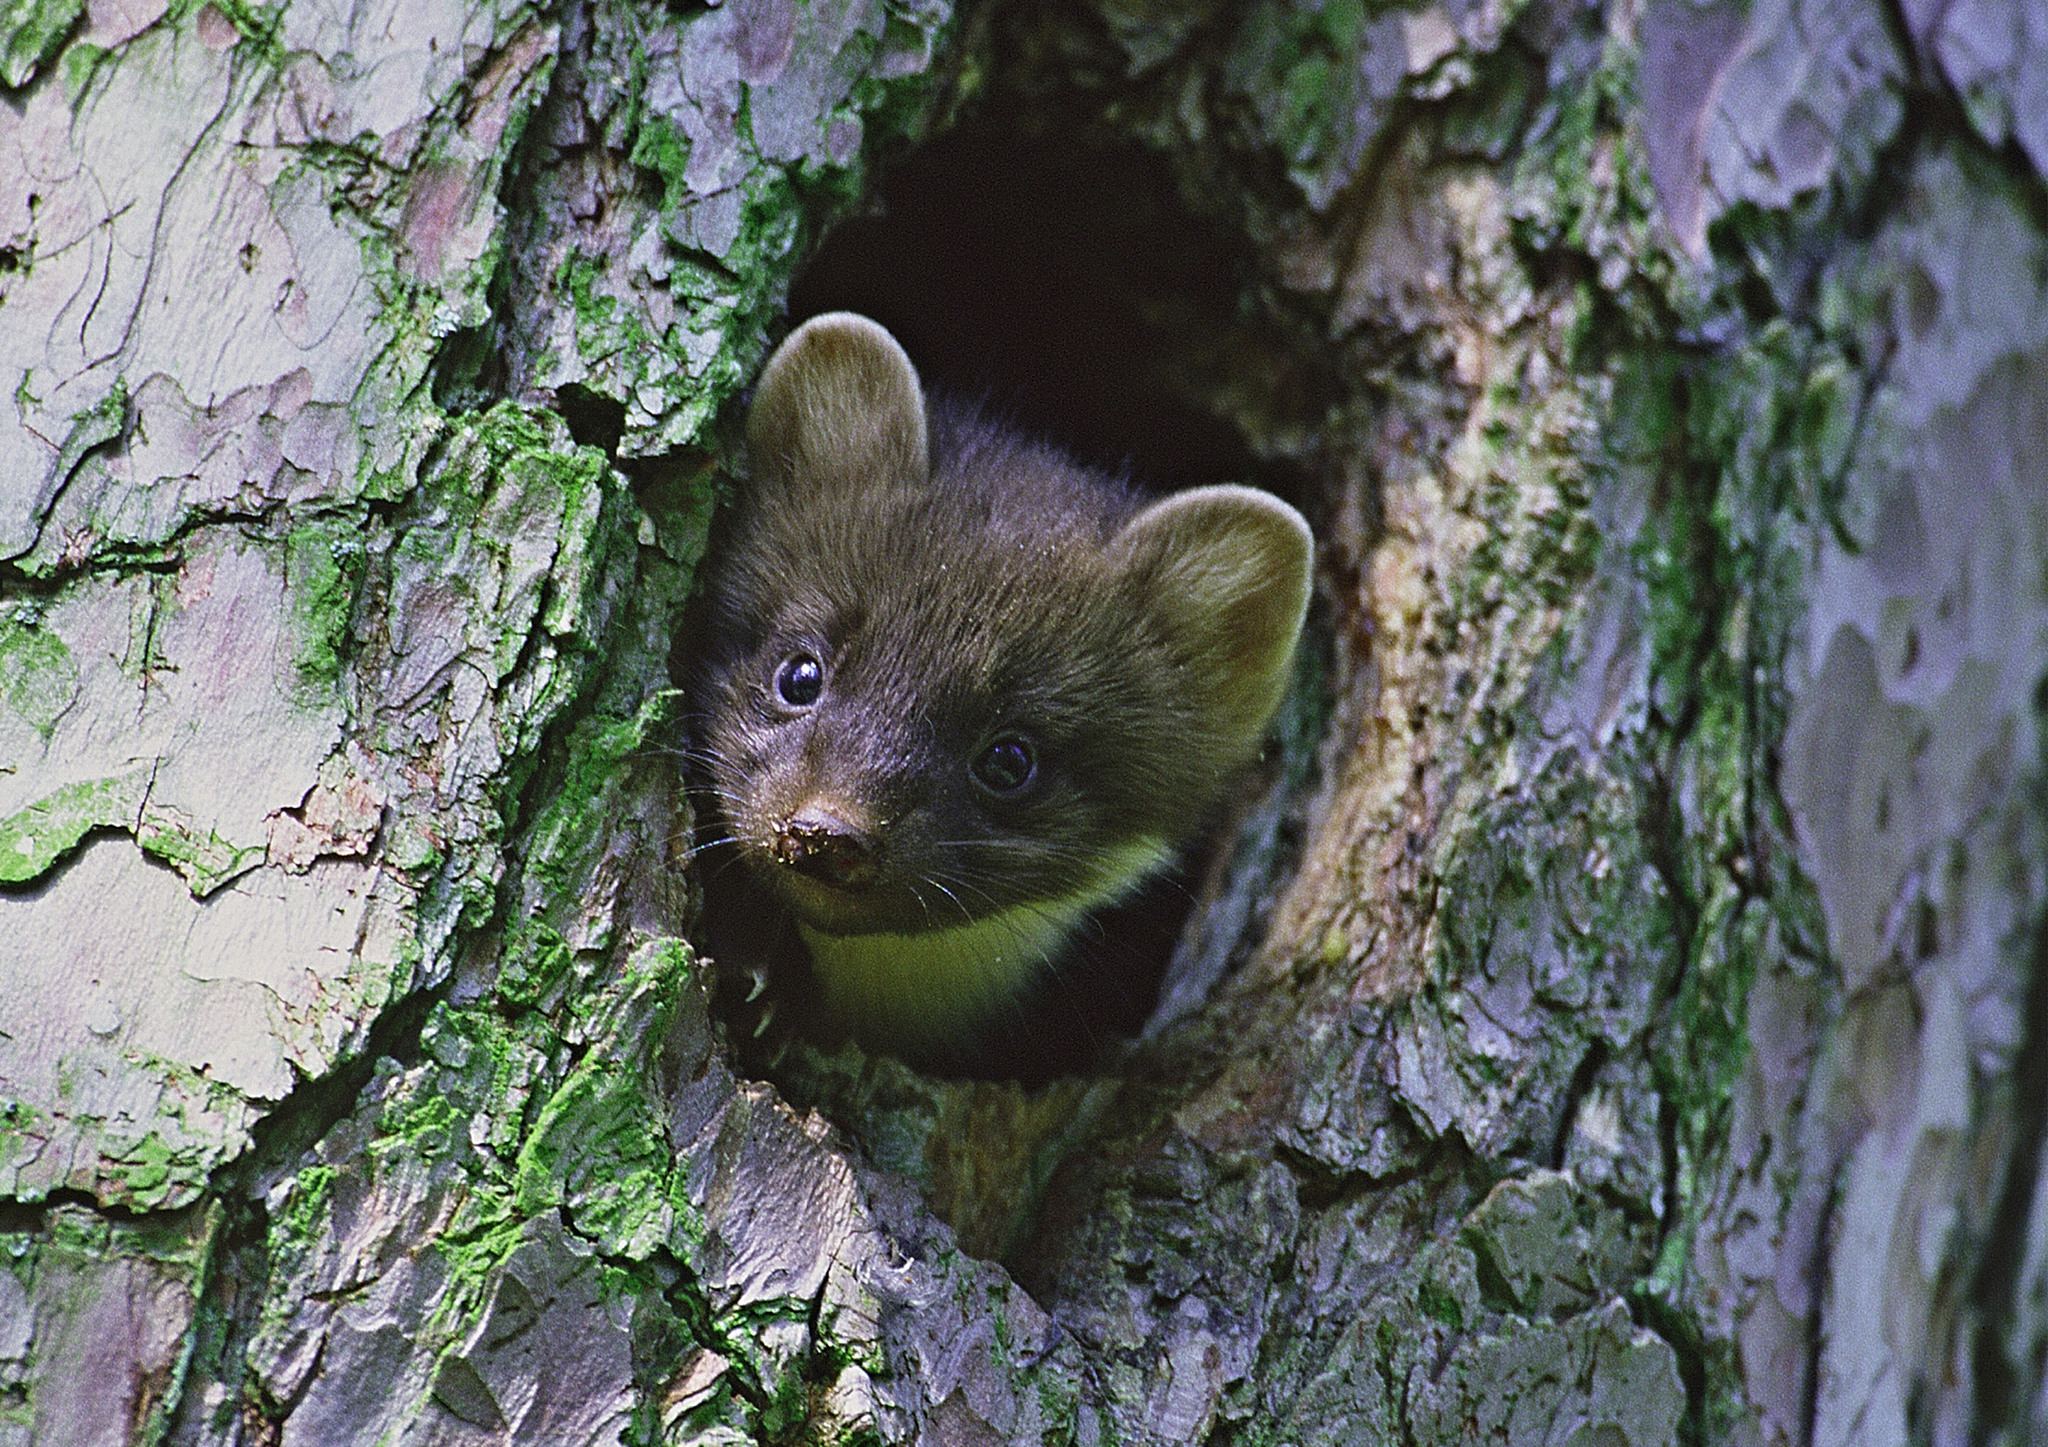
<point>1226,569</point>
<point>838,406</point>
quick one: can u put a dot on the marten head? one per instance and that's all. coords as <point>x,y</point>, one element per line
<point>944,674</point>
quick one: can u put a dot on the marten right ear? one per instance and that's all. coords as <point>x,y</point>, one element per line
<point>1227,570</point>
<point>838,405</point>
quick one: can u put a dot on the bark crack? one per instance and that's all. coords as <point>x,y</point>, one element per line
<point>2005,1387</point>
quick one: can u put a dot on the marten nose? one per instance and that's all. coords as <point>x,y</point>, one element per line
<point>822,843</point>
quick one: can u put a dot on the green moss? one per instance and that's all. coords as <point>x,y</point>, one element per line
<point>601,1140</point>
<point>1439,1304</point>
<point>306,1207</point>
<point>396,406</point>
<point>537,967</point>
<point>259,23</point>
<point>531,535</point>
<point>1738,452</point>
<point>80,63</point>
<point>30,32</point>
<point>661,148</point>
<point>659,373</point>
<point>1059,1408</point>
<point>774,221</point>
<point>410,847</point>
<point>38,675</point>
<point>502,465</point>
<point>679,501</point>
<point>144,1170</point>
<point>323,564</point>
<point>205,859</point>
<point>1306,103</point>
<point>22,1129</point>
<point>576,820</point>
<point>569,1121</point>
<point>33,839</point>
<point>1489,117</point>
<point>1302,82</point>
<point>428,1128</point>
<point>1582,186</point>
<point>1763,431</point>
<point>197,1130</point>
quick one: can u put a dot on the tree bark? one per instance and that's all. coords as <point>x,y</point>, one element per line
<point>1621,1019</point>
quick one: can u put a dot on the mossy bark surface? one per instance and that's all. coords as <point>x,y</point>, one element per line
<point>1622,1019</point>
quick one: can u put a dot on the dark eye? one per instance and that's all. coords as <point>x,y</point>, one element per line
<point>800,680</point>
<point>1006,765</point>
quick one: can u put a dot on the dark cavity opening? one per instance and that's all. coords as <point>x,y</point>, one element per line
<point>1056,280</point>
<point>1060,283</point>
<point>594,419</point>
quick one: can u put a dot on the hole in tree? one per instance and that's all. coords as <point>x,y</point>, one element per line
<point>594,419</point>
<point>1056,281</point>
<point>1059,283</point>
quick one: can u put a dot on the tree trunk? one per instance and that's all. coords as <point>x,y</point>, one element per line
<point>1620,1020</point>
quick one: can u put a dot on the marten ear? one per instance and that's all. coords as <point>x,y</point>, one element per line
<point>1226,571</point>
<point>838,405</point>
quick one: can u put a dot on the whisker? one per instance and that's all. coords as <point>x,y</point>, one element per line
<point>691,755</point>
<point>705,846</point>
<point>964,881</point>
<point>965,913</point>
<point>703,757</point>
<point>918,895</point>
<point>1037,849</point>
<point>728,801</point>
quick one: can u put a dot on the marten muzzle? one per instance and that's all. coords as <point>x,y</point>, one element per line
<point>821,843</point>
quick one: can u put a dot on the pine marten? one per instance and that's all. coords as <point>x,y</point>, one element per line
<point>950,691</point>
